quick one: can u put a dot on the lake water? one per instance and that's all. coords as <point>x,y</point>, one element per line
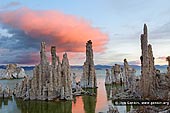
<point>80,104</point>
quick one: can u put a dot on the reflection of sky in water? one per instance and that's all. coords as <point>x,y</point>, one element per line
<point>8,106</point>
<point>81,104</point>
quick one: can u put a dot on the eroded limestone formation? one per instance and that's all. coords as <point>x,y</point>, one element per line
<point>88,79</point>
<point>116,74</point>
<point>12,71</point>
<point>130,77</point>
<point>147,66</point>
<point>121,75</point>
<point>49,81</point>
<point>154,85</point>
<point>1,91</point>
<point>5,92</point>
<point>168,68</point>
<point>65,77</point>
<point>74,83</point>
<point>108,79</point>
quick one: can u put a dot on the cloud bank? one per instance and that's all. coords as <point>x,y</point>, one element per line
<point>67,32</point>
<point>28,28</point>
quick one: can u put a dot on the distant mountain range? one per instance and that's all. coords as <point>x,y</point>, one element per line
<point>97,67</point>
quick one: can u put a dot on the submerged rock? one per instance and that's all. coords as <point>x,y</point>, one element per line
<point>88,80</point>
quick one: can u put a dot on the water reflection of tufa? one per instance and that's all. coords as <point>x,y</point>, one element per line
<point>90,101</point>
<point>112,90</point>
<point>44,107</point>
<point>4,102</point>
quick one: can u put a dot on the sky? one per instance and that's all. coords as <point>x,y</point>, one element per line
<point>113,26</point>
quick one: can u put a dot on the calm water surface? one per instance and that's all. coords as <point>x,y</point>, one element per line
<point>80,104</point>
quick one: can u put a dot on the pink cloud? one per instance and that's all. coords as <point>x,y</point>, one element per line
<point>68,32</point>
